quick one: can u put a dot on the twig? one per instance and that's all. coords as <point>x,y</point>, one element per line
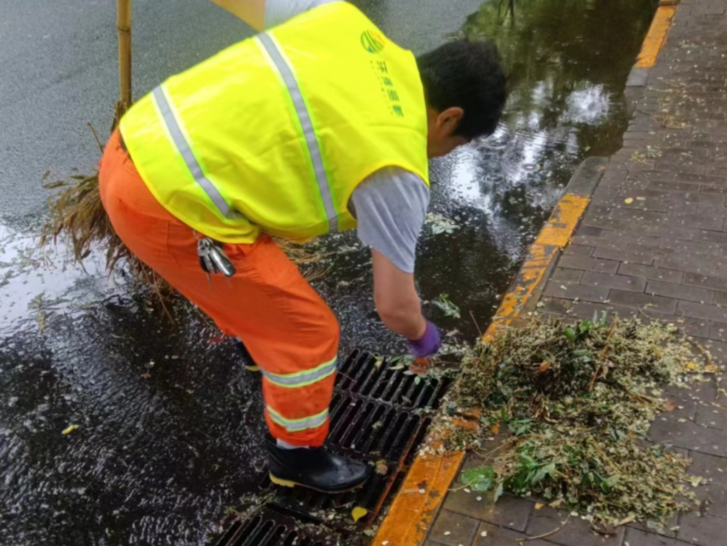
<point>498,448</point>
<point>476,325</point>
<point>705,353</point>
<point>550,533</point>
<point>606,457</point>
<point>603,355</point>
<point>100,146</point>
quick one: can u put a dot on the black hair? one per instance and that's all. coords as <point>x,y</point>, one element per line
<point>467,74</point>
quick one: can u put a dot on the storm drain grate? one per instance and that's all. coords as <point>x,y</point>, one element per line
<point>269,528</point>
<point>377,416</point>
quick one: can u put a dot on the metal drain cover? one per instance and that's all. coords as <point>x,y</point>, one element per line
<point>377,415</point>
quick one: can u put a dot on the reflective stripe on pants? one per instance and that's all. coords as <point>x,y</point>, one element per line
<point>285,325</point>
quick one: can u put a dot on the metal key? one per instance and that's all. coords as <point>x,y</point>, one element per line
<point>213,259</point>
<point>204,247</point>
<point>221,262</point>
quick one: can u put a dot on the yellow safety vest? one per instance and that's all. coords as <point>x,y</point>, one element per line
<point>274,133</point>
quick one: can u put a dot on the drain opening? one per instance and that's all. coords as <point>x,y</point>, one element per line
<point>376,416</point>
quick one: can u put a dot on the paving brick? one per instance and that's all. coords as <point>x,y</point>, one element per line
<point>720,298</point>
<point>679,291</point>
<point>453,529</point>
<point>665,185</point>
<point>558,289</point>
<point>622,282</point>
<point>703,311</point>
<point>688,325</point>
<point>578,250</point>
<point>650,272</point>
<point>704,531</point>
<point>632,299</point>
<point>706,281</point>
<point>713,494</point>
<point>633,238</point>
<point>508,511</point>
<point>692,263</point>
<point>554,306</point>
<point>688,435</point>
<point>710,236</point>
<point>717,330</point>
<point>588,264</point>
<point>582,310</point>
<point>700,179</point>
<point>718,350</point>
<point>576,532</point>
<point>666,529</point>
<point>642,256</point>
<point>586,230</point>
<point>697,221</point>
<point>598,240</point>
<point>679,199</point>
<point>637,537</point>
<point>713,416</point>
<point>566,275</point>
<point>687,403</point>
<point>494,535</point>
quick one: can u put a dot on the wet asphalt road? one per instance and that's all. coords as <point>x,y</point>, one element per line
<point>58,71</point>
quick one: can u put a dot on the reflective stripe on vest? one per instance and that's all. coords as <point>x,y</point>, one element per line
<point>285,70</point>
<point>302,379</point>
<point>175,131</point>
<point>297,425</point>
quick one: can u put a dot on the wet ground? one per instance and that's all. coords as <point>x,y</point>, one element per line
<point>169,425</point>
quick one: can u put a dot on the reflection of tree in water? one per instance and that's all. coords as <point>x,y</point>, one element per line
<point>568,61</point>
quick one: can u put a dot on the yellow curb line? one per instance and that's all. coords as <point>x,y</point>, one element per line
<point>430,476</point>
<point>656,38</point>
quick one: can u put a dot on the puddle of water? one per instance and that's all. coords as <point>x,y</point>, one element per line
<point>169,424</point>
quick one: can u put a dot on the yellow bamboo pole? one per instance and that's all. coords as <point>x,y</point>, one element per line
<point>123,26</point>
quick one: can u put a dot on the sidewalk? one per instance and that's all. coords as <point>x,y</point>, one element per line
<point>653,242</point>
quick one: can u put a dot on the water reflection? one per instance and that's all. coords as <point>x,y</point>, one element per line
<point>568,61</point>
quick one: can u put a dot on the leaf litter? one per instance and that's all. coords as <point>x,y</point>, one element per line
<point>570,408</point>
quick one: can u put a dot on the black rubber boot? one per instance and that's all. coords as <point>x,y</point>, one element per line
<point>314,468</point>
<point>247,360</point>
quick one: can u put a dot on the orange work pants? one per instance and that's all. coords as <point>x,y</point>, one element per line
<point>288,329</point>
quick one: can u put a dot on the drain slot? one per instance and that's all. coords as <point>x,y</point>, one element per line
<point>375,417</point>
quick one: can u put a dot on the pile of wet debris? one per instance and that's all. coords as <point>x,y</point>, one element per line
<point>564,412</point>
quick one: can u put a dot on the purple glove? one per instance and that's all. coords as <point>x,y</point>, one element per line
<point>428,344</point>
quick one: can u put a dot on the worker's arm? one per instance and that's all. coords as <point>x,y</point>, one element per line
<point>396,298</point>
<point>264,14</point>
<point>390,206</point>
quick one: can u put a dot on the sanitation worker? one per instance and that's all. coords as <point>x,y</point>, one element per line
<point>317,124</point>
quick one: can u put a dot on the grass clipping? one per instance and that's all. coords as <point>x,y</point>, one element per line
<point>572,406</point>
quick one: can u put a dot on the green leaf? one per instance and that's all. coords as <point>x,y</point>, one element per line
<point>479,478</point>
<point>449,308</point>
<point>570,333</point>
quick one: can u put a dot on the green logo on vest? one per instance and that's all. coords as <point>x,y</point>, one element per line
<point>372,41</point>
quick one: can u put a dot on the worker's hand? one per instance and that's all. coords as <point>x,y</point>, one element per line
<point>428,345</point>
